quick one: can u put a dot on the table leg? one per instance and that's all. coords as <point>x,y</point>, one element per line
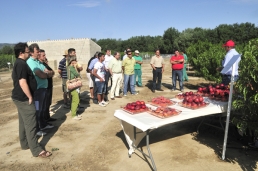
<point>149,151</point>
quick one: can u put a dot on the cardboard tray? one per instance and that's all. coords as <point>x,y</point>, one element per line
<point>162,116</point>
<point>181,104</point>
<point>133,112</point>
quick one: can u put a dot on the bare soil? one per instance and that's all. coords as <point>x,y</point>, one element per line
<point>97,141</point>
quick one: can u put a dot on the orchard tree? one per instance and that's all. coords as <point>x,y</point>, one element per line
<point>169,37</point>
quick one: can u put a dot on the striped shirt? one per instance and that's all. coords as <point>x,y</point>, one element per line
<point>62,67</point>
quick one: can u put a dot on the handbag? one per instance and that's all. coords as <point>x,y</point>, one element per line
<point>73,84</point>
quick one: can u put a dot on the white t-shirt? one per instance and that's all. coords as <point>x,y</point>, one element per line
<point>107,59</point>
<point>100,70</point>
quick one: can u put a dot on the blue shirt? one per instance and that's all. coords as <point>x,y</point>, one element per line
<point>35,65</point>
<point>62,67</point>
<point>92,63</point>
<point>229,55</point>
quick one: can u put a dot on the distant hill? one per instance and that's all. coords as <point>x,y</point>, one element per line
<point>6,44</point>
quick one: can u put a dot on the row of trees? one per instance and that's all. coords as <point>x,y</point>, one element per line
<point>172,39</point>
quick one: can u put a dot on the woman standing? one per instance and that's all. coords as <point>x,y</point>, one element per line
<point>73,73</point>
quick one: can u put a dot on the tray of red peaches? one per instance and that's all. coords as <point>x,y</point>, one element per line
<point>164,112</point>
<point>135,107</point>
<point>161,102</point>
<point>194,101</point>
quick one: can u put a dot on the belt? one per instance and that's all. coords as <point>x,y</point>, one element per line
<point>117,72</point>
<point>158,67</point>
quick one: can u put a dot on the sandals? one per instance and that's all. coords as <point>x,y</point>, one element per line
<point>44,154</point>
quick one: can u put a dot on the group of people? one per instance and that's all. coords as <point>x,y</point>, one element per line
<point>32,94</point>
<point>33,83</point>
<point>102,68</point>
<point>178,64</point>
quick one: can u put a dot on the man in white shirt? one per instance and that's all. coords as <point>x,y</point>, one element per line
<point>99,73</point>
<point>108,57</point>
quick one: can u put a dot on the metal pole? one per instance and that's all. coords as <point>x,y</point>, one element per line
<point>228,111</point>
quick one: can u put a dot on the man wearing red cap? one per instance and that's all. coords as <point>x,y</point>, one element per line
<point>230,49</point>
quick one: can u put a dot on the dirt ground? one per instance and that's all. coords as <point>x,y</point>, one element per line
<point>97,141</point>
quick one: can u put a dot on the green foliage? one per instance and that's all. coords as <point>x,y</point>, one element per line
<point>4,59</point>
<point>205,57</point>
<point>246,99</point>
<point>7,50</point>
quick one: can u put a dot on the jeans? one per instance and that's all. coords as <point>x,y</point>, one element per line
<point>101,87</point>
<point>157,74</point>
<point>138,73</point>
<point>179,74</point>
<point>40,104</point>
<point>48,103</point>
<point>226,79</point>
<point>28,127</point>
<point>126,80</point>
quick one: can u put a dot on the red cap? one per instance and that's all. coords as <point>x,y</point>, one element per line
<point>229,43</point>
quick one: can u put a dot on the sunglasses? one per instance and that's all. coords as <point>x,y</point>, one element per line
<point>129,54</point>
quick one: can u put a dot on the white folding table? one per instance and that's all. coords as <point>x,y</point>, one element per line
<point>136,127</point>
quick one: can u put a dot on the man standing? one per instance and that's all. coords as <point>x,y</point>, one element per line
<point>158,65</point>
<point>128,69</point>
<point>115,69</point>
<point>138,68</point>
<point>91,67</point>
<point>177,65</point>
<point>43,60</point>
<point>185,77</point>
<point>22,94</point>
<point>63,74</point>
<point>41,75</point>
<point>88,74</point>
<point>108,57</point>
<point>230,49</point>
<point>99,73</point>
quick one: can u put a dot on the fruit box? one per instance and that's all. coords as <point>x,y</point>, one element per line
<point>193,108</point>
<point>133,112</point>
<point>163,115</point>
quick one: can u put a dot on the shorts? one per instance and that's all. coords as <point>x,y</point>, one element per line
<point>101,87</point>
<point>64,85</point>
<point>90,80</point>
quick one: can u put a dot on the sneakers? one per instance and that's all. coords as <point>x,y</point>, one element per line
<point>182,90</point>
<point>80,116</point>
<point>125,95</point>
<point>77,118</point>
<point>102,104</point>
<point>172,89</point>
<point>41,133</point>
<point>105,102</point>
<point>47,127</point>
<point>135,93</point>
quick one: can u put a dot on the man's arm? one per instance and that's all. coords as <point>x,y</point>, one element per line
<point>25,88</point>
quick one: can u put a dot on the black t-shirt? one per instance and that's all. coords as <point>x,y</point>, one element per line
<point>22,70</point>
<point>50,80</point>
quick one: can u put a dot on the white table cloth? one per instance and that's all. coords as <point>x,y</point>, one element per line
<point>145,121</point>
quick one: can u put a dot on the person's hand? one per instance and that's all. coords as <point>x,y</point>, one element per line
<point>30,100</point>
<point>162,70</point>
<point>101,80</point>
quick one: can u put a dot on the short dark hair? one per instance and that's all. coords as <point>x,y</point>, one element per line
<point>41,50</point>
<point>32,46</point>
<point>19,48</point>
<point>70,50</point>
<point>116,53</point>
<point>156,50</point>
<point>100,54</point>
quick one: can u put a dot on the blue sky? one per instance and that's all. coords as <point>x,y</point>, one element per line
<point>32,20</point>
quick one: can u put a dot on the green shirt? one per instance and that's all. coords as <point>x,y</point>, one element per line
<point>128,64</point>
<point>73,73</point>
<point>137,58</point>
<point>35,65</point>
<point>115,65</point>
